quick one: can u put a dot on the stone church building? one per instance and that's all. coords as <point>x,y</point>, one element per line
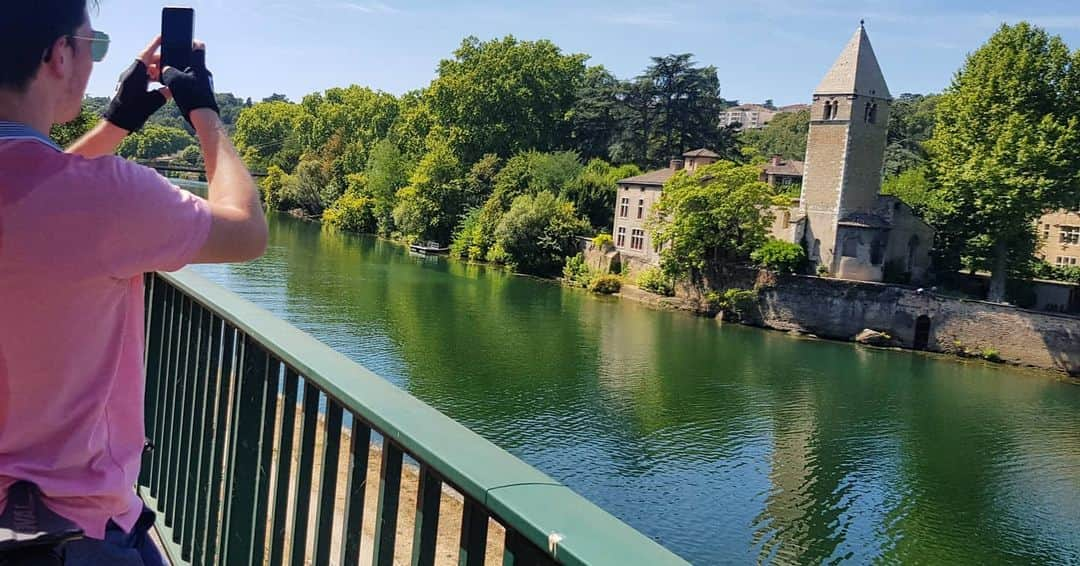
<point>847,227</point>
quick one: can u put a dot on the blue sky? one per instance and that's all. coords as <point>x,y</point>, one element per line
<point>775,49</point>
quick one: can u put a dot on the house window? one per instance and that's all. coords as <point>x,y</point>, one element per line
<point>637,240</point>
<point>624,207</point>
<point>1070,234</point>
<point>1066,260</point>
<point>620,241</point>
<point>641,208</point>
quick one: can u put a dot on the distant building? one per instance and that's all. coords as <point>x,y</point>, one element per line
<point>635,199</point>
<point>1060,232</point>
<point>780,172</point>
<point>754,116</point>
<point>848,228</point>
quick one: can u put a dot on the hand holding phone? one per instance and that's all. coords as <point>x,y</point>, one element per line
<point>177,35</point>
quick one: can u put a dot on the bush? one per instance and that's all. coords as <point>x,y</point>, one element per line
<point>653,280</point>
<point>822,270</point>
<point>603,241</point>
<point>777,255</point>
<point>351,213</point>
<point>576,273</point>
<point>737,301</point>
<point>606,284</point>
<point>538,233</point>
<point>991,355</point>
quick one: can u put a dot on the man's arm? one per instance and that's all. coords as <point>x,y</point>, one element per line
<point>102,139</point>
<point>129,109</point>
<point>238,229</point>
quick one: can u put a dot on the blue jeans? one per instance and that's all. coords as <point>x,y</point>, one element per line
<point>119,548</point>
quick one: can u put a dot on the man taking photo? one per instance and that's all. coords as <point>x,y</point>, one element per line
<point>78,230</point>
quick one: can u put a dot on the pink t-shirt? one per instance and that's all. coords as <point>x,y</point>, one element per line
<point>76,236</point>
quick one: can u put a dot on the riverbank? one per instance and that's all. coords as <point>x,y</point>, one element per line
<point>837,310</point>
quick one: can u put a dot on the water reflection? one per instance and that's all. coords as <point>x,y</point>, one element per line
<point>726,444</point>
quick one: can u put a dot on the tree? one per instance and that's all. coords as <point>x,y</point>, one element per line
<point>538,233</point>
<point>154,141</point>
<point>266,135</point>
<point>593,191</point>
<point>504,96</point>
<point>914,187</point>
<point>191,155</point>
<point>598,115</point>
<point>911,125</point>
<point>1005,147</point>
<point>66,134</point>
<point>387,172</point>
<point>710,219</point>
<point>688,106</point>
<point>785,136</point>
<point>430,206</point>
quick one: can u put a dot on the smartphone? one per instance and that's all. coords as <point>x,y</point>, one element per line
<point>177,35</point>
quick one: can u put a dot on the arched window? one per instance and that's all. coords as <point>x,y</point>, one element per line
<point>913,250</point>
<point>827,114</point>
<point>866,113</point>
<point>873,113</point>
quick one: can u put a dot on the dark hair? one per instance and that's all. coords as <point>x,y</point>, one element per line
<point>27,33</point>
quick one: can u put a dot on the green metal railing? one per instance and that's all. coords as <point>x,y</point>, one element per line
<point>228,384</point>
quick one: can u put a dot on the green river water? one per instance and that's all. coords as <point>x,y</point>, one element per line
<point>724,443</point>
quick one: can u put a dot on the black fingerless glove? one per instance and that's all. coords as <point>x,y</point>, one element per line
<point>193,88</point>
<point>133,105</point>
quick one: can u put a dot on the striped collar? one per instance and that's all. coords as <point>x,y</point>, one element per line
<point>17,131</point>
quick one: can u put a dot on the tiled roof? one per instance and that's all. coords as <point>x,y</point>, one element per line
<point>793,108</point>
<point>701,153</point>
<point>864,220</point>
<point>794,168</point>
<point>657,178</point>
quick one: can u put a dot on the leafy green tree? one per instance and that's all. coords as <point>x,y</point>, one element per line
<point>191,155</point>
<point>266,135</point>
<point>154,141</point>
<point>66,134</point>
<point>711,219</point>
<point>278,189</point>
<point>598,114</point>
<point>785,136</point>
<point>538,233</point>
<point>1005,147</point>
<point>387,172</point>
<point>594,189</point>
<point>911,125</point>
<point>314,193</point>
<point>430,206</point>
<point>914,187</point>
<point>504,96</point>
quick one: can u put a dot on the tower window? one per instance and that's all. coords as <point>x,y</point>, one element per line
<point>873,113</point>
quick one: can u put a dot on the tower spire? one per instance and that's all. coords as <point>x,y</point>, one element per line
<point>856,70</point>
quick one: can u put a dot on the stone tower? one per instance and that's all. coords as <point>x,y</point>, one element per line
<point>845,149</point>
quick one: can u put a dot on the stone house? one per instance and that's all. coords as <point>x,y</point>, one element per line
<point>634,202</point>
<point>1060,235</point>
<point>782,173</point>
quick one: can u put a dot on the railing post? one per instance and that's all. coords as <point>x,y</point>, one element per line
<point>474,528</point>
<point>328,486</point>
<point>355,491</point>
<point>426,528</point>
<point>303,474</point>
<point>386,515</point>
<point>279,531</point>
<point>249,478</point>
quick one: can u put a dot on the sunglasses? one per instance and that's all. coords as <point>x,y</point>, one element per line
<point>99,45</point>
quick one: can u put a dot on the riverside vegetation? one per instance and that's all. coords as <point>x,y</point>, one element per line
<point>515,148</point>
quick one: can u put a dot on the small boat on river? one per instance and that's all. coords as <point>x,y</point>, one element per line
<point>429,248</point>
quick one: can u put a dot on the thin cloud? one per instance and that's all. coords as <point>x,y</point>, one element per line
<point>370,7</point>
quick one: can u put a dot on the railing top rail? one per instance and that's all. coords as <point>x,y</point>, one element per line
<point>535,505</point>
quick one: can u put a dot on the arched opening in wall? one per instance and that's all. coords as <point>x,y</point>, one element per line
<point>815,253</point>
<point>873,113</point>
<point>922,333</point>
